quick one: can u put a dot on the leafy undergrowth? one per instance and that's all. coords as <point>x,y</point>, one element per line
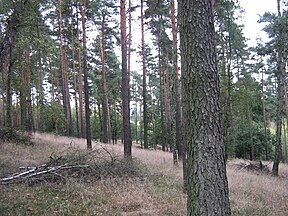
<point>153,188</point>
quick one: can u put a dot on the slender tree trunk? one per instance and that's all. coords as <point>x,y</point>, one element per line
<point>285,142</point>
<point>23,91</point>
<point>178,120</point>
<point>125,85</point>
<point>161,100</point>
<point>85,69</point>
<point>129,38</point>
<point>278,151</point>
<point>207,187</point>
<point>153,120</point>
<point>141,127</point>
<point>75,83</point>
<point>286,112</point>
<point>106,113</point>
<point>65,87</point>
<point>264,121</point>
<point>252,152</point>
<point>280,97</point>
<point>115,134</point>
<point>100,116</point>
<point>80,83</point>
<point>136,120</point>
<point>52,78</point>
<point>167,107</point>
<point>144,93</point>
<point>40,102</point>
<point>25,95</point>
<point>8,92</point>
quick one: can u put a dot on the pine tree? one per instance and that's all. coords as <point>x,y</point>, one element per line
<point>207,186</point>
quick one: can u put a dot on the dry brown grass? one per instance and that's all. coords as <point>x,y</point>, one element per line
<point>159,193</point>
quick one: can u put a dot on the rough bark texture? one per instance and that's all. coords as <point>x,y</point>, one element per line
<point>125,85</point>
<point>144,93</point>
<point>85,69</point>
<point>207,186</point>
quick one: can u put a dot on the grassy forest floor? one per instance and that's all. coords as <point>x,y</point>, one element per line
<point>157,192</point>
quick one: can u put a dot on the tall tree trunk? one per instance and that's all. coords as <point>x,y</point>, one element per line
<point>106,113</point>
<point>178,120</point>
<point>52,75</point>
<point>252,152</point>
<point>285,142</point>
<point>280,96</point>
<point>65,87</point>
<point>207,187</point>
<point>23,90</point>
<point>129,46</point>
<point>153,120</point>
<point>278,150</point>
<point>161,100</point>
<point>40,102</point>
<point>115,126</point>
<point>167,107</point>
<point>8,92</point>
<point>85,69</point>
<point>136,120</point>
<point>75,83</point>
<point>125,85</point>
<point>286,112</point>
<point>264,120</point>
<point>25,95</point>
<point>80,83</point>
<point>144,93</point>
<point>100,116</point>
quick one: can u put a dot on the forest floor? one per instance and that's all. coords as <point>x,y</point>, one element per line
<point>158,192</point>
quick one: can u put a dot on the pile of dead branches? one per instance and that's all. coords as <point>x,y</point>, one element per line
<point>78,165</point>
<point>254,166</point>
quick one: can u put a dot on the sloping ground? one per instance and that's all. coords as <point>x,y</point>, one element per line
<point>158,193</point>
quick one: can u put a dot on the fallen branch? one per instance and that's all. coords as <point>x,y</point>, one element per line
<point>254,166</point>
<point>31,172</point>
<point>77,164</point>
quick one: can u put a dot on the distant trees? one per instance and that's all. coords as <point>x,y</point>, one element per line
<point>60,70</point>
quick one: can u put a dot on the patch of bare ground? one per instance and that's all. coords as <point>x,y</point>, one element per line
<point>157,193</point>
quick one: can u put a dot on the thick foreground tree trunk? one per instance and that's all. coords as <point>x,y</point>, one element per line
<point>207,186</point>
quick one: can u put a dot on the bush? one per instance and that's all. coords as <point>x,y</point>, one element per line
<point>15,136</point>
